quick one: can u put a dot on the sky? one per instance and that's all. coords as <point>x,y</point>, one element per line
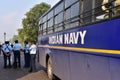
<point>12,12</point>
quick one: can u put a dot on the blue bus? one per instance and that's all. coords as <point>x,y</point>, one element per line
<point>80,40</point>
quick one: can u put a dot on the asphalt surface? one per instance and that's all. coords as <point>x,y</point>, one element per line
<point>21,73</point>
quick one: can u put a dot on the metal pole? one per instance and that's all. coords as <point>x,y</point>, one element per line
<point>4,36</point>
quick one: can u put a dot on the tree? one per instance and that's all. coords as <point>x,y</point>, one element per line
<point>30,22</point>
<point>21,33</point>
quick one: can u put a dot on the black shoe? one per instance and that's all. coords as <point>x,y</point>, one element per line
<point>5,67</point>
<point>19,66</point>
<point>30,71</point>
<point>35,71</point>
<point>27,66</point>
<point>15,67</point>
<point>9,66</point>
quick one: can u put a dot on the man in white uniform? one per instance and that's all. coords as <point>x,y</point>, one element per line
<point>32,49</point>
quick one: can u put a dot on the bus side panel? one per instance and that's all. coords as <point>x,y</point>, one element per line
<point>97,68</point>
<point>89,67</point>
<point>78,66</point>
<point>42,57</point>
<point>115,68</point>
<point>61,64</point>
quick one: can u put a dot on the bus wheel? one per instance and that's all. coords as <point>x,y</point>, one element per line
<point>49,69</point>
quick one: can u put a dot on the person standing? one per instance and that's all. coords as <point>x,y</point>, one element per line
<point>32,49</point>
<point>7,50</point>
<point>26,55</point>
<point>17,47</point>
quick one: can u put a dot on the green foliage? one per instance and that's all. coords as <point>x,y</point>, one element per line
<point>30,22</point>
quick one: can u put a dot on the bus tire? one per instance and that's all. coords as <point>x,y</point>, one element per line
<point>49,69</point>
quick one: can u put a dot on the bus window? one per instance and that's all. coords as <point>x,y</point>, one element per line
<point>50,14</point>
<point>40,30</point>
<point>59,27</point>
<point>72,16</point>
<point>59,8</point>
<point>40,22</point>
<point>40,26</point>
<point>69,2</point>
<point>108,6</point>
<point>44,18</point>
<point>67,18</point>
<point>44,25</point>
<point>50,22</point>
<point>99,9</point>
<point>44,29</point>
<point>50,25</point>
<point>118,8</point>
<point>75,10</point>
<point>87,11</point>
<point>59,18</point>
<point>67,14</point>
<point>59,22</point>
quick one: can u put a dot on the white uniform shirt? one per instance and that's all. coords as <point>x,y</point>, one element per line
<point>17,46</point>
<point>33,49</point>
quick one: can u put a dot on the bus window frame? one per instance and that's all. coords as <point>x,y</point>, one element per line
<point>78,19</point>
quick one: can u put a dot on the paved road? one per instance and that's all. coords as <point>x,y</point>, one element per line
<point>22,73</point>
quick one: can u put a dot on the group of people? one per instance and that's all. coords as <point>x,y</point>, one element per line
<point>29,54</point>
